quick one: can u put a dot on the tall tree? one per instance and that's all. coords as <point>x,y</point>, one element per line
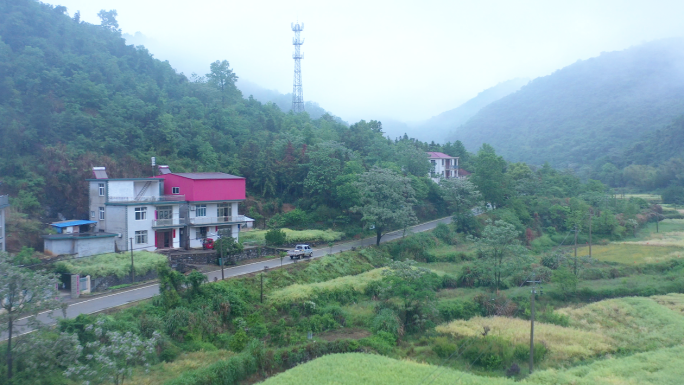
<point>23,294</point>
<point>490,176</point>
<point>108,19</point>
<point>387,199</point>
<point>462,196</point>
<point>501,250</point>
<point>222,78</point>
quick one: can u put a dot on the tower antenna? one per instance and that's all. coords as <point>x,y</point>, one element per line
<point>297,94</point>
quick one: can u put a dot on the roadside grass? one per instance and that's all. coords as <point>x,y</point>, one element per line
<point>371,369</point>
<point>653,198</point>
<point>665,226</point>
<point>564,344</point>
<point>633,323</point>
<point>636,252</point>
<point>663,366</point>
<point>118,264</point>
<point>160,373</point>
<point>346,286</point>
<point>673,301</point>
<point>293,236</point>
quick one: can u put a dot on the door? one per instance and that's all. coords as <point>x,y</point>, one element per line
<point>182,238</point>
<point>168,239</point>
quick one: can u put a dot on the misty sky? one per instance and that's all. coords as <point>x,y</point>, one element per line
<point>405,60</point>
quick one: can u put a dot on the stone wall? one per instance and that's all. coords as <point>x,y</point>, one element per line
<point>103,283</point>
<point>183,260</point>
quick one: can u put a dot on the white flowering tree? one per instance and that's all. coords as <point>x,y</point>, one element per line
<point>23,295</point>
<point>112,356</point>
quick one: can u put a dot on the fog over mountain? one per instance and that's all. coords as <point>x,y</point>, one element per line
<point>586,110</point>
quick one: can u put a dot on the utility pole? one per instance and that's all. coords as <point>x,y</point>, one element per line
<point>533,293</point>
<point>221,259</point>
<point>132,266</point>
<point>591,212</point>
<point>575,250</point>
<point>262,283</point>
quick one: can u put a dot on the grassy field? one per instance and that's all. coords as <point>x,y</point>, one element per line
<point>369,369</point>
<point>565,345</point>
<point>118,264</point>
<point>633,252</point>
<point>298,293</point>
<point>664,366</point>
<point>673,301</point>
<point>293,236</point>
<point>653,198</point>
<point>632,323</point>
<point>160,373</point>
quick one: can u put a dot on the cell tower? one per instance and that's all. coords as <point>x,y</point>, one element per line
<point>297,94</point>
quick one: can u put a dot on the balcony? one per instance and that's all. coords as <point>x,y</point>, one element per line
<point>199,221</point>
<point>144,199</point>
<point>169,222</point>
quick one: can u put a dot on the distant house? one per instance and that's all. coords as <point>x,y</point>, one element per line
<point>443,166</point>
<point>4,203</point>
<point>76,237</point>
<point>170,210</point>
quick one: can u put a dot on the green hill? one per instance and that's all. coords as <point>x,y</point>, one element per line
<point>587,110</point>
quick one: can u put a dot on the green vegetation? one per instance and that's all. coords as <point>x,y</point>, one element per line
<point>374,370</point>
<point>630,253</point>
<point>117,264</point>
<point>292,236</point>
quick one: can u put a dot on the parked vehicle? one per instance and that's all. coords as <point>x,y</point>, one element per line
<point>300,251</point>
<point>208,243</point>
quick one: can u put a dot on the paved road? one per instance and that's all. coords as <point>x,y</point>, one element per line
<point>104,302</point>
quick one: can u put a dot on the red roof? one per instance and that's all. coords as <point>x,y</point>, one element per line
<point>206,175</point>
<point>439,155</point>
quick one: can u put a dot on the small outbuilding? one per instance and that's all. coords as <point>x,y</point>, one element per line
<point>76,237</point>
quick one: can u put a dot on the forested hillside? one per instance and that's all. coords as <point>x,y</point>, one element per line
<point>74,95</point>
<point>587,110</point>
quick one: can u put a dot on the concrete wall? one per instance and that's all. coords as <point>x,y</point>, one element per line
<point>117,222</point>
<point>120,188</point>
<point>59,246</point>
<point>94,246</point>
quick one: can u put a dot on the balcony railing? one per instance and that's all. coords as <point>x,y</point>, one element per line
<point>216,220</point>
<point>169,222</point>
<point>160,198</point>
<point>4,200</point>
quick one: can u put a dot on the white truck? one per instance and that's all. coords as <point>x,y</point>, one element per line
<point>300,251</point>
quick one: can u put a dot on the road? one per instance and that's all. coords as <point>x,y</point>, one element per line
<point>108,301</point>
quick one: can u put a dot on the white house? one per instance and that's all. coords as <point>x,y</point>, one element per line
<point>443,166</point>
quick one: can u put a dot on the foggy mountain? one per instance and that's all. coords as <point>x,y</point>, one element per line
<point>439,127</point>
<point>587,110</point>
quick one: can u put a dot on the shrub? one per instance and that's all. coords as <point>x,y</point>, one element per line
<point>458,309</point>
<point>513,371</point>
<point>239,341</point>
<point>443,347</point>
<point>275,237</point>
<point>388,321</point>
<point>113,264</point>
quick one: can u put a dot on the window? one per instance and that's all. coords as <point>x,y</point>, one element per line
<point>140,213</point>
<point>101,213</point>
<point>201,233</point>
<point>92,214</point>
<point>201,211</point>
<point>141,237</point>
<point>175,190</point>
<point>100,189</point>
<point>165,212</point>
<point>223,210</point>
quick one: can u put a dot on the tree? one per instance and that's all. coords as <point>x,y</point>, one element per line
<point>387,199</point>
<point>45,352</point>
<point>490,177</point>
<point>23,293</point>
<point>414,287</point>
<point>108,19</point>
<point>111,357</point>
<point>500,250</point>
<point>222,78</point>
<point>461,195</point>
<point>228,246</point>
<point>275,237</point>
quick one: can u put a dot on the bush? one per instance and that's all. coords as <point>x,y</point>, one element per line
<point>275,237</point>
<point>239,341</point>
<point>443,347</point>
<point>388,321</point>
<point>458,309</point>
<point>113,264</point>
<point>445,234</point>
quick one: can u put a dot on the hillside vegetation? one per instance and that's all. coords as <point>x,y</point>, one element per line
<point>586,110</point>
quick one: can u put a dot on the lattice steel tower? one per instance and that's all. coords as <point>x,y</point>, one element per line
<point>297,94</point>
